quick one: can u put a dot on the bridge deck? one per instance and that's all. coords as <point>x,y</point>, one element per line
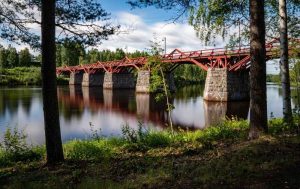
<point>233,59</point>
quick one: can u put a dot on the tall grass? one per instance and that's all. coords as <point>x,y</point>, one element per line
<point>98,148</point>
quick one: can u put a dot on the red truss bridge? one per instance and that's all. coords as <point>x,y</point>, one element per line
<point>233,59</point>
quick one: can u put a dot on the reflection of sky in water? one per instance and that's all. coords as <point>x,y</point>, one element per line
<point>108,111</point>
<point>189,112</point>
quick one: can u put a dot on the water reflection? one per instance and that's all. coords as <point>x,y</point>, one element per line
<point>215,112</point>
<point>108,110</point>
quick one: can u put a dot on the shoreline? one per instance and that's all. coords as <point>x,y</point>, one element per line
<point>219,156</point>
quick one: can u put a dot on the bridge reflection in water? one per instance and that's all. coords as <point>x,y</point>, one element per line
<point>74,100</point>
<point>215,112</point>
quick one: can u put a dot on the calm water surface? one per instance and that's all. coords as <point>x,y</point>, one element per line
<point>109,110</point>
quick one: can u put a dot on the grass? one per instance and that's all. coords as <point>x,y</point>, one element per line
<point>21,76</point>
<point>25,76</point>
<point>209,158</point>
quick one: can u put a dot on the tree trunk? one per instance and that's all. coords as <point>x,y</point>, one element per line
<point>50,103</point>
<point>258,97</point>
<point>284,63</point>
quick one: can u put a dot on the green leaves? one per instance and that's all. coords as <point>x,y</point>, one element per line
<point>80,21</point>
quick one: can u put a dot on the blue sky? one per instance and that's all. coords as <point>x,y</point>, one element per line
<point>149,14</point>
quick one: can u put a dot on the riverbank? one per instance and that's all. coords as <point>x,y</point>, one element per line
<point>28,76</point>
<point>219,156</point>
<point>20,76</point>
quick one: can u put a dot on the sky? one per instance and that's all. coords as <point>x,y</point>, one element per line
<point>140,26</point>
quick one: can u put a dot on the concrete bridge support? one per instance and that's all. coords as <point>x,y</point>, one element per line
<point>95,79</point>
<point>75,78</point>
<point>143,82</point>
<point>222,85</point>
<point>119,81</point>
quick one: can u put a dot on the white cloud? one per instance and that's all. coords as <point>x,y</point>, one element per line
<point>137,35</point>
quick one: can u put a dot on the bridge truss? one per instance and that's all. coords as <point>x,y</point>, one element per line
<point>233,59</point>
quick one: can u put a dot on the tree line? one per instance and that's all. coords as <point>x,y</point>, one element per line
<point>72,53</point>
<point>10,57</point>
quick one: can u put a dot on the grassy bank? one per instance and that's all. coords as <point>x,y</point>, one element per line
<point>214,157</point>
<point>20,76</point>
<point>24,76</point>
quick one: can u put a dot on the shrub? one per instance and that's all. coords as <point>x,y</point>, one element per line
<point>14,148</point>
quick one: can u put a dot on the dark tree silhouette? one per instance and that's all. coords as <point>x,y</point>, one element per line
<point>258,97</point>
<point>50,102</point>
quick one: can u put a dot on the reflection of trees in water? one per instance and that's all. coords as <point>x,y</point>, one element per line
<point>67,109</point>
<point>2,104</point>
<point>191,91</point>
<point>295,94</point>
<point>13,99</point>
<point>149,109</point>
<point>215,112</point>
<point>74,100</point>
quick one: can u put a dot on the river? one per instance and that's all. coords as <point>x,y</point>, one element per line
<point>107,111</point>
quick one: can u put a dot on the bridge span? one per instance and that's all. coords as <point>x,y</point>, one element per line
<point>227,71</point>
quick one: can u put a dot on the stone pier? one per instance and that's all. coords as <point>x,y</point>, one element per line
<point>119,81</point>
<point>143,82</point>
<point>76,78</point>
<point>95,79</point>
<point>222,85</point>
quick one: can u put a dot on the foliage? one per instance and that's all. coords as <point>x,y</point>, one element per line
<point>70,53</point>
<point>76,20</point>
<point>10,58</point>
<point>87,150</point>
<point>273,78</point>
<point>25,58</point>
<point>231,131</point>
<point>25,76</point>
<point>20,76</point>
<point>188,74</point>
<point>160,84</point>
<point>278,126</point>
<point>14,148</point>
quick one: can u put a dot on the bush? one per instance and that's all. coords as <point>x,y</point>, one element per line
<point>278,126</point>
<point>15,149</point>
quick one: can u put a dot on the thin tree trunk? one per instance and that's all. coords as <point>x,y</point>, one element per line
<point>50,103</point>
<point>284,63</point>
<point>258,97</point>
<point>168,102</point>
